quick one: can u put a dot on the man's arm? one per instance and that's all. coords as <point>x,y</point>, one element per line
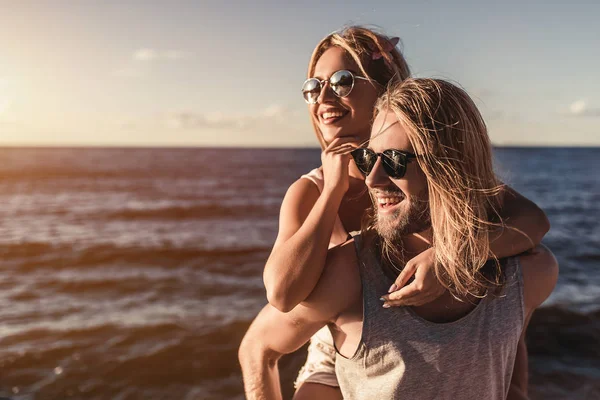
<point>274,333</point>
<point>540,274</point>
<point>271,335</point>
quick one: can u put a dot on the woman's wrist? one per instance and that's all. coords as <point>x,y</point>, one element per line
<point>335,192</point>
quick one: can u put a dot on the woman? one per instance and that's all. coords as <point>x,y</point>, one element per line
<point>347,72</point>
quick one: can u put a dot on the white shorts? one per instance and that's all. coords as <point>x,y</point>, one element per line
<point>320,362</point>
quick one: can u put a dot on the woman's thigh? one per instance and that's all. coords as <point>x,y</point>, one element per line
<point>317,379</point>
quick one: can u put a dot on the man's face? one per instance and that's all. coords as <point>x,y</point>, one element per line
<point>401,205</point>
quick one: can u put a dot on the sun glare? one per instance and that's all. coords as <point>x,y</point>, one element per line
<point>6,98</point>
<point>4,105</point>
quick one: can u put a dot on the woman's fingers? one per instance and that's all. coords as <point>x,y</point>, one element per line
<point>343,149</point>
<point>407,272</point>
<point>405,303</point>
<point>414,294</point>
<point>336,160</point>
<point>409,297</point>
<point>340,141</point>
<point>418,299</point>
<point>424,288</point>
<point>402,294</point>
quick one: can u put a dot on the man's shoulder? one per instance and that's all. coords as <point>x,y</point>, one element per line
<point>340,281</point>
<point>342,254</point>
<point>540,273</point>
<point>341,266</point>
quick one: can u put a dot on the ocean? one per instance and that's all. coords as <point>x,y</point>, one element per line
<point>134,273</point>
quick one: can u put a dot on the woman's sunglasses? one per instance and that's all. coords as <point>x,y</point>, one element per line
<point>394,161</point>
<point>341,82</point>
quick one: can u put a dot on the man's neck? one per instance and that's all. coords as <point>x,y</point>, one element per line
<point>416,243</point>
<point>409,247</point>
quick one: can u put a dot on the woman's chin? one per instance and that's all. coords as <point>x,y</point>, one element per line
<point>329,135</point>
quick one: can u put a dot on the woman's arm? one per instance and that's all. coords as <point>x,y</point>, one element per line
<point>306,223</point>
<point>526,225</point>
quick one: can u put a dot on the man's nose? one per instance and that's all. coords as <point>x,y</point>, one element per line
<point>377,177</point>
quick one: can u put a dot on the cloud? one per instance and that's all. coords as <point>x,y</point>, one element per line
<point>275,111</point>
<point>130,72</point>
<point>141,62</point>
<point>149,55</point>
<point>274,114</point>
<point>580,108</point>
<point>145,55</point>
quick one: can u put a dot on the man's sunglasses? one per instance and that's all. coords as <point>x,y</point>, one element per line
<point>341,83</point>
<point>394,161</point>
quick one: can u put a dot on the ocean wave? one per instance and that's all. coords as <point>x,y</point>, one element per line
<point>48,174</point>
<point>28,256</point>
<point>587,257</point>
<point>192,212</point>
<point>111,358</point>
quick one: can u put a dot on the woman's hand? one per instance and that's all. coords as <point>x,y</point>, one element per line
<point>335,159</point>
<point>425,287</point>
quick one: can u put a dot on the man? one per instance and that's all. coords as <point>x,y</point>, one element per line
<point>429,172</point>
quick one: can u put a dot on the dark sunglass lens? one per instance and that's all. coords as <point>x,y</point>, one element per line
<point>342,82</point>
<point>364,159</point>
<point>394,163</point>
<point>311,90</point>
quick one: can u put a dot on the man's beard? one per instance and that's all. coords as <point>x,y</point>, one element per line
<point>411,217</point>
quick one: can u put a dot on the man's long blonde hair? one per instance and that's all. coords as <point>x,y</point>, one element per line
<point>360,43</point>
<point>454,152</point>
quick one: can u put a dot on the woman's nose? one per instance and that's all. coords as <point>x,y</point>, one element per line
<point>326,93</point>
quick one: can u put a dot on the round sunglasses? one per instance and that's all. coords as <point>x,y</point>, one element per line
<point>394,161</point>
<point>341,83</point>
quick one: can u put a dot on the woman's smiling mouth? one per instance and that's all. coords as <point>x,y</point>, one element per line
<point>332,116</point>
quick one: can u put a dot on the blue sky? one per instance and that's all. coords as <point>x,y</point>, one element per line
<point>150,73</point>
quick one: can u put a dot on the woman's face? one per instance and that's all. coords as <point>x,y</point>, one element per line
<point>343,116</point>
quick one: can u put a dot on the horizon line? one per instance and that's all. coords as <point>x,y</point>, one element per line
<point>238,147</point>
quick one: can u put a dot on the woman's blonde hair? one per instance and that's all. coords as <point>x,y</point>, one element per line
<point>360,43</point>
<point>454,152</point>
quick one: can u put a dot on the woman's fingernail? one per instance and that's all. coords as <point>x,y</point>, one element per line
<point>386,305</point>
<point>382,298</point>
<point>393,288</point>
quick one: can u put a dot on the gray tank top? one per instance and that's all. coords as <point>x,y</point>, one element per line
<point>403,356</point>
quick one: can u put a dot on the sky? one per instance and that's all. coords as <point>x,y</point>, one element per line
<point>228,73</point>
